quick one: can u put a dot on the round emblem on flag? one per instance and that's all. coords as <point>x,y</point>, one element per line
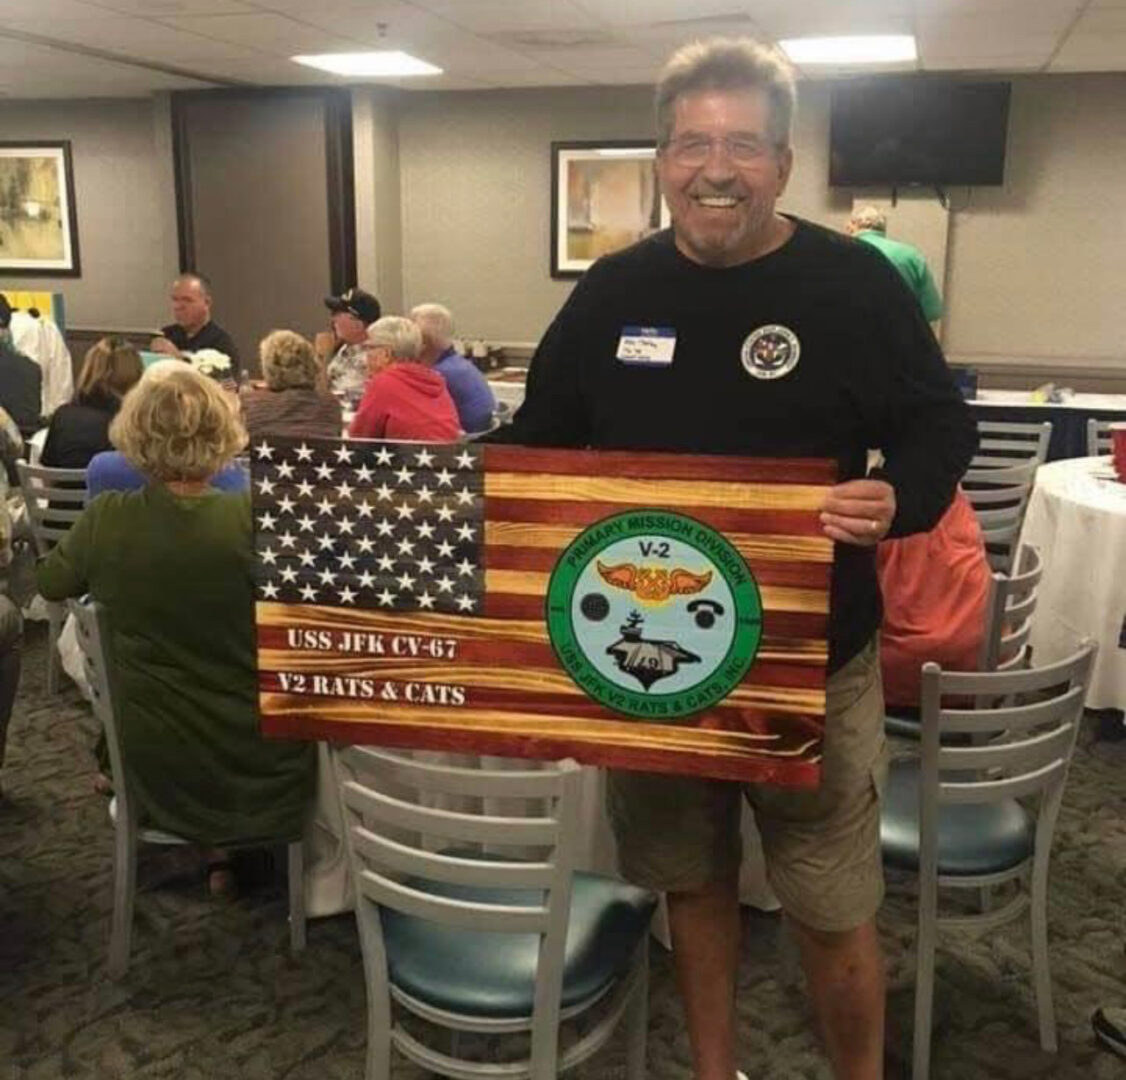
<point>771,352</point>
<point>654,614</point>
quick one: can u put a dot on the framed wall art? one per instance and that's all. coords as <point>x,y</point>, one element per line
<point>38,221</point>
<point>604,197</point>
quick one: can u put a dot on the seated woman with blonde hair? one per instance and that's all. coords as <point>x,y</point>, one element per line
<point>291,404</point>
<point>173,565</point>
<point>80,428</point>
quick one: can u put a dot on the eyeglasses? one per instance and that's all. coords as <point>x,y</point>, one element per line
<point>693,150</point>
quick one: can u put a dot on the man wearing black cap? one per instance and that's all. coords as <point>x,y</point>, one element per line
<point>21,379</point>
<point>352,313</point>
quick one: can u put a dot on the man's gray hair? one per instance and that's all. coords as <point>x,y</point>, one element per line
<point>728,64</point>
<point>399,335</point>
<point>436,323</point>
<point>869,219</point>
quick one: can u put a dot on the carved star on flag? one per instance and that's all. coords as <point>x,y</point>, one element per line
<point>288,574</point>
<point>324,472</point>
<point>266,522</point>
<point>465,531</point>
<point>325,507</point>
<point>366,579</point>
<point>264,451</point>
<point>425,565</point>
<point>346,526</point>
<point>269,590</point>
<point>307,558</point>
<point>305,489</point>
<point>384,527</point>
<point>465,568</point>
<point>325,542</point>
<point>287,539</point>
<point>424,459</point>
<point>424,494</point>
<point>304,453</point>
<point>445,583</point>
<point>286,504</point>
<point>445,513</point>
<point>406,547</point>
<point>285,470</point>
<point>384,493</point>
<point>364,474</point>
<point>405,511</point>
<point>308,593</point>
<point>425,600</point>
<point>327,577</point>
<point>344,490</point>
<point>343,455</point>
<point>446,549</point>
<point>346,561</point>
<point>364,508</point>
<point>465,602</point>
<point>406,582</point>
<point>385,563</point>
<point>444,477</point>
<point>464,460</point>
<point>404,475</point>
<point>266,486</point>
<point>465,497</point>
<point>366,544</point>
<point>386,598</point>
<point>306,523</point>
<point>347,596</point>
<point>268,555</point>
<point>384,456</point>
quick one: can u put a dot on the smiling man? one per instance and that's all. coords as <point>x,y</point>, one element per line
<point>745,331</point>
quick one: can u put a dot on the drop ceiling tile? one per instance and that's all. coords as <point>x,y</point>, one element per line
<point>657,12</point>
<point>959,42</point>
<point>44,11</point>
<point>827,19</point>
<point>159,9</point>
<point>1091,52</point>
<point>132,38</point>
<point>662,40</point>
<point>493,16</point>
<point>1101,21</point>
<point>1001,62</point>
<point>266,32</point>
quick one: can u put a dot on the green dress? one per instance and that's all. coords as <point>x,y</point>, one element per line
<point>174,574</point>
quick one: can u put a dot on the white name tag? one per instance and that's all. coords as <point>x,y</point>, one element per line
<point>652,346</point>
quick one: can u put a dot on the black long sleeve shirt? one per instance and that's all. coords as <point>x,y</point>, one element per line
<point>870,375</point>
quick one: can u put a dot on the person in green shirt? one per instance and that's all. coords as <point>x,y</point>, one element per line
<point>173,565</point>
<point>870,225</point>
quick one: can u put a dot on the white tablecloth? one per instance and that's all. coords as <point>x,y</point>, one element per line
<point>1023,399</point>
<point>508,392</point>
<point>328,888</point>
<point>1077,519</point>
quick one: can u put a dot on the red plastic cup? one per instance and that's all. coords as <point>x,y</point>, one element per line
<point>1118,448</point>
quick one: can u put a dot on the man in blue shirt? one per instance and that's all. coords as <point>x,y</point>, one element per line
<point>471,393</point>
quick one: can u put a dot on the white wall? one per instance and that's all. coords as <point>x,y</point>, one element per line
<point>122,169</point>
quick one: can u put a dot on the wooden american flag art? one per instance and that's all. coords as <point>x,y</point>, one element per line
<point>661,612</point>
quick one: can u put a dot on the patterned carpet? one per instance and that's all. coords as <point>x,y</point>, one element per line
<point>213,992</point>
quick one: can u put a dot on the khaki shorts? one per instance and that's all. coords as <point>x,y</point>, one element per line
<point>822,846</point>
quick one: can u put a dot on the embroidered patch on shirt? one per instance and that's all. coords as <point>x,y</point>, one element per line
<point>770,352</point>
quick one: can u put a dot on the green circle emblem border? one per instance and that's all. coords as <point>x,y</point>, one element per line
<point>724,677</point>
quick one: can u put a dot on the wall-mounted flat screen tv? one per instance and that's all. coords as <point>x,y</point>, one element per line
<point>917,130</point>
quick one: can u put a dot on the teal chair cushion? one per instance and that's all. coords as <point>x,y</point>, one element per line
<point>493,974</point>
<point>972,839</point>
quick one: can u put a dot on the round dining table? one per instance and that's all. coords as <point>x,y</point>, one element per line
<point>1076,518</point>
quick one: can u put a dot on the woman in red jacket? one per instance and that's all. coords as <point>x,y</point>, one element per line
<point>404,398</point>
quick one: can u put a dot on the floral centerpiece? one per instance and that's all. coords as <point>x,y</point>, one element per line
<point>211,362</point>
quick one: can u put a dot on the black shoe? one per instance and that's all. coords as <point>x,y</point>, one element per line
<point>1109,1024</point>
